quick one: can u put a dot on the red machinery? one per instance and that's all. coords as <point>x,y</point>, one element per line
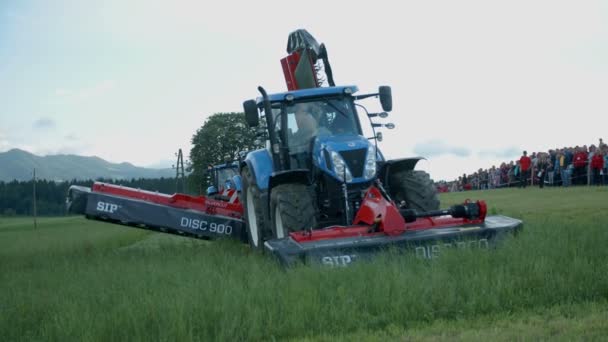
<point>197,216</point>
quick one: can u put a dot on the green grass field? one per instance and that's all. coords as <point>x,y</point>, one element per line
<point>74,279</point>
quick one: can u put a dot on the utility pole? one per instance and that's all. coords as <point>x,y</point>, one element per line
<point>34,197</point>
<point>179,173</point>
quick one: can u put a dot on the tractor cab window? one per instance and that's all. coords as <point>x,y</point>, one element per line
<point>276,117</point>
<point>339,117</point>
<point>307,120</point>
<point>303,121</point>
<point>225,175</point>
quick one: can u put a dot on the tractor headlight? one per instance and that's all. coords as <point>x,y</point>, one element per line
<point>340,167</point>
<point>370,163</point>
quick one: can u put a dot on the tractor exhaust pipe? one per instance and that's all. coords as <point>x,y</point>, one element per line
<point>274,146</point>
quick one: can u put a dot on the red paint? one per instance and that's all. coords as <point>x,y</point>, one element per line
<point>375,209</point>
<point>289,65</point>
<point>182,201</point>
<point>389,221</point>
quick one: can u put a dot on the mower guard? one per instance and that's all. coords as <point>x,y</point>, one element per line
<point>180,214</point>
<point>423,243</point>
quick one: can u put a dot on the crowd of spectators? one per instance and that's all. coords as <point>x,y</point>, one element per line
<point>580,165</point>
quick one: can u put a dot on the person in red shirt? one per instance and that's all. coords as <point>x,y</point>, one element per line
<point>580,162</point>
<point>524,172</point>
<point>597,164</point>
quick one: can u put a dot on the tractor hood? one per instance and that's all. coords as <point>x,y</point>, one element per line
<point>347,156</point>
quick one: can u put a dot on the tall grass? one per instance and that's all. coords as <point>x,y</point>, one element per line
<point>81,280</point>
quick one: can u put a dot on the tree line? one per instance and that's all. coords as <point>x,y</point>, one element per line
<point>17,197</point>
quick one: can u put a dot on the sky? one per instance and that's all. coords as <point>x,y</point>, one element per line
<point>474,83</point>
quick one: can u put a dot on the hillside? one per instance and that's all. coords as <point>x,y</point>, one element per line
<point>18,165</point>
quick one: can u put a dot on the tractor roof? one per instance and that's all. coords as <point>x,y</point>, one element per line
<point>309,93</point>
<point>228,165</point>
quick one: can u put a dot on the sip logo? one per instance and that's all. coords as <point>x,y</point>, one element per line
<point>338,260</point>
<point>107,207</point>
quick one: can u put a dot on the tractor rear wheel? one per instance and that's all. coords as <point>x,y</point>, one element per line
<point>291,209</point>
<point>415,188</point>
<point>252,209</point>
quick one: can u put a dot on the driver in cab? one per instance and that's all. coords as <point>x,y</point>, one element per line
<point>306,117</point>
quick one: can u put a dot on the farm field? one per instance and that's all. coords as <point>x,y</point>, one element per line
<point>75,279</point>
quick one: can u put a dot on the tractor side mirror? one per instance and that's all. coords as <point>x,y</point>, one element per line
<point>386,98</point>
<point>382,115</point>
<point>251,113</point>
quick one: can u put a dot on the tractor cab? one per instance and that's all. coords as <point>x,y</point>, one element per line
<point>306,127</point>
<point>314,122</point>
<point>223,178</point>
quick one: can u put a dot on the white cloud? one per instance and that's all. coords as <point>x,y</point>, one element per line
<point>506,153</point>
<point>71,137</point>
<point>435,148</point>
<point>44,123</point>
<point>56,148</point>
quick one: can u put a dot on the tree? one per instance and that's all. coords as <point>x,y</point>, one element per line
<point>16,196</point>
<point>220,139</point>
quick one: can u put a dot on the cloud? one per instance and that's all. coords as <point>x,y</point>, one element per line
<point>44,123</point>
<point>162,164</point>
<point>66,150</point>
<point>53,149</point>
<point>434,148</point>
<point>509,152</point>
<point>86,93</point>
<point>71,137</point>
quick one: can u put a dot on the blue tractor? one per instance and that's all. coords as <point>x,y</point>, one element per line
<point>317,164</point>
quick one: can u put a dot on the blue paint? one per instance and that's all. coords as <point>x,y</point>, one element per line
<point>308,93</point>
<point>260,162</point>
<point>338,143</point>
<point>237,182</point>
<point>212,190</point>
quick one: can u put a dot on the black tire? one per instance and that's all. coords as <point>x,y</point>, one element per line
<point>416,189</point>
<point>291,209</point>
<point>252,210</point>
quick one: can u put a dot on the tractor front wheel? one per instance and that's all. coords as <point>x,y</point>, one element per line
<point>291,209</point>
<point>415,188</point>
<point>252,209</point>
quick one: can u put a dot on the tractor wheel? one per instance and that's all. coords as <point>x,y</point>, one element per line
<point>415,188</point>
<point>291,209</point>
<point>252,210</point>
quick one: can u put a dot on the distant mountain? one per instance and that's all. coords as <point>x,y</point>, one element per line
<point>18,164</point>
